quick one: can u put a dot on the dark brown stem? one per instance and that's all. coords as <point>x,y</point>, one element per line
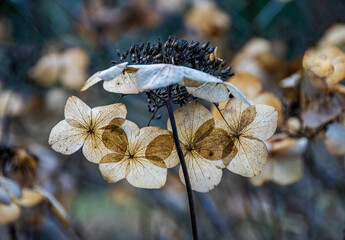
<point>184,168</point>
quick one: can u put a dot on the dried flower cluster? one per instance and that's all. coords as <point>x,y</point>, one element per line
<point>175,71</point>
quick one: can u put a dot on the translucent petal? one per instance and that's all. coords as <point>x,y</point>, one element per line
<point>113,171</point>
<point>204,174</point>
<point>250,158</point>
<point>66,139</point>
<point>77,113</point>
<point>124,83</point>
<point>94,149</point>
<point>143,174</point>
<point>101,116</point>
<point>188,120</point>
<point>264,124</point>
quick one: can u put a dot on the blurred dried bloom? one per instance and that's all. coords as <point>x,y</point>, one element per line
<point>69,67</point>
<point>9,213</point>
<point>285,162</point>
<point>334,36</point>
<point>328,63</point>
<point>335,138</point>
<point>208,20</point>
<point>142,156</point>
<point>11,103</point>
<point>84,126</point>
<point>247,128</point>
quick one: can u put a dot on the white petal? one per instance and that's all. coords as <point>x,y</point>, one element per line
<point>204,174</point>
<point>77,113</point>
<point>124,83</point>
<point>155,76</point>
<point>94,149</point>
<point>251,157</point>
<point>115,171</point>
<point>199,76</point>
<point>105,75</point>
<point>264,124</point>
<point>237,93</point>
<point>66,139</point>
<point>211,92</point>
<point>101,116</point>
<point>335,139</point>
<point>144,174</point>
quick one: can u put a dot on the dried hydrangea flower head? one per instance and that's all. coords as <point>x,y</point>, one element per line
<point>84,126</point>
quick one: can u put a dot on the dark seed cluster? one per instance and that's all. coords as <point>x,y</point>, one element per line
<point>176,52</point>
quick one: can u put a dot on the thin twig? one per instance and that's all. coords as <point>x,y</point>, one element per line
<point>184,168</point>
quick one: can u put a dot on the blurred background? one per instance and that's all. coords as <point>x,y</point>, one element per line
<point>49,48</point>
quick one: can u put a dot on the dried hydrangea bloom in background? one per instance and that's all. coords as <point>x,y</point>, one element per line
<point>142,156</point>
<point>285,161</point>
<point>335,138</point>
<point>84,126</point>
<point>69,66</point>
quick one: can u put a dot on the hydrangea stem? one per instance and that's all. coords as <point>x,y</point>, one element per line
<point>184,168</point>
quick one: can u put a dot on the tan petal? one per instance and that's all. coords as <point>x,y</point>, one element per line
<point>247,83</point>
<point>204,174</point>
<point>287,170</point>
<point>251,157</point>
<point>105,75</point>
<point>211,92</point>
<point>143,173</point>
<point>77,113</point>
<point>101,116</point>
<point>124,83</point>
<point>233,113</point>
<point>113,168</point>
<point>270,99</point>
<point>335,139</point>
<point>264,124</point>
<point>94,149</point>
<point>46,70</point>
<point>66,139</point>
<point>115,138</point>
<point>188,120</point>
<point>29,198</point>
<point>9,213</point>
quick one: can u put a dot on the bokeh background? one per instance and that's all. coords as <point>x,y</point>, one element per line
<point>49,48</point>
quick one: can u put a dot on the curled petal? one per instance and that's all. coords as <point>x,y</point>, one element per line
<point>105,75</point>
<point>66,139</point>
<point>211,92</point>
<point>237,93</point>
